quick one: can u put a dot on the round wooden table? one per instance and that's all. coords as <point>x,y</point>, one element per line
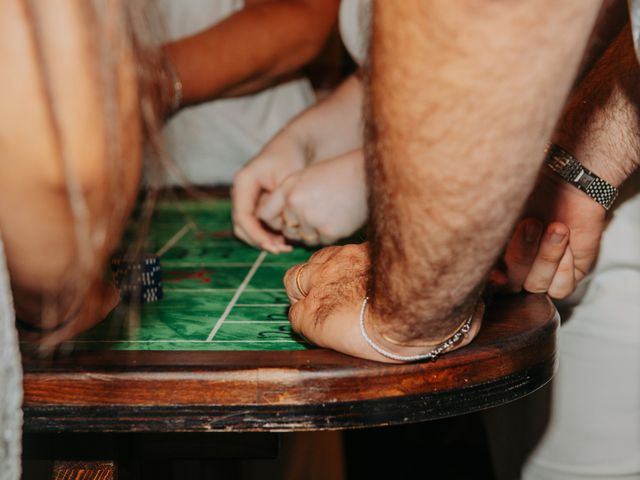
<point>277,391</point>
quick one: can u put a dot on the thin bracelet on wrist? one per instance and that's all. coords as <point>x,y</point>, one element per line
<point>424,344</point>
<point>443,347</point>
<point>175,101</point>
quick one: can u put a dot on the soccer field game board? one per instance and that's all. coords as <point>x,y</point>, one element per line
<point>217,353</point>
<point>219,294</point>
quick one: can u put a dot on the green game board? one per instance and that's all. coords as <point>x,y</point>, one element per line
<point>219,294</point>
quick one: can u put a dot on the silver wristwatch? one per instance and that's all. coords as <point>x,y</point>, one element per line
<point>571,170</point>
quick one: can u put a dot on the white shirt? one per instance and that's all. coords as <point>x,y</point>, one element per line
<point>355,20</point>
<point>634,14</point>
<point>10,381</point>
<point>211,141</point>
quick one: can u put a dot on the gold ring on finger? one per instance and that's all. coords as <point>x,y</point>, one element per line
<point>298,286</point>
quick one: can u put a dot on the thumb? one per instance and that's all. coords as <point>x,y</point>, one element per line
<point>270,209</point>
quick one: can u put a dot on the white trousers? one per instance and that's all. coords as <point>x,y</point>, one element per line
<point>586,424</point>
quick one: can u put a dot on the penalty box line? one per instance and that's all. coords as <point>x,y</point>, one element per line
<point>236,296</point>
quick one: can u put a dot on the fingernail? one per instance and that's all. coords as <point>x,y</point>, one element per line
<point>268,248</point>
<point>278,249</point>
<point>557,237</point>
<point>532,231</point>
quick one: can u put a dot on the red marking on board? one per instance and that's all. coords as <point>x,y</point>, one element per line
<point>202,277</point>
<point>179,275</point>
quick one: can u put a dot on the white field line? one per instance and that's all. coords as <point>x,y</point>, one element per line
<point>222,290</point>
<point>173,240</point>
<point>236,296</point>
<point>178,263</point>
<point>184,341</point>
<point>272,322</point>
<point>262,304</point>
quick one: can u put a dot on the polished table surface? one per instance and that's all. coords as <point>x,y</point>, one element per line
<point>217,354</point>
<point>291,390</point>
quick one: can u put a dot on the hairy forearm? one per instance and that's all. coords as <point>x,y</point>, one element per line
<point>601,124</point>
<point>463,97</point>
<point>613,16</point>
<point>251,49</point>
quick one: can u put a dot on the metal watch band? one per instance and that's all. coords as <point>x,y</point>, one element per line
<point>571,170</point>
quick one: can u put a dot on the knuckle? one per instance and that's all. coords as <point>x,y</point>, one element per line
<point>550,256</point>
<point>292,179</point>
<point>296,199</point>
<point>355,255</point>
<point>288,276</point>
<point>351,250</point>
<point>566,268</point>
<point>295,315</point>
<point>298,318</point>
<point>326,270</point>
<point>322,254</point>
<point>239,176</point>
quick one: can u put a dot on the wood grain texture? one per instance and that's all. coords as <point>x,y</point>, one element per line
<point>63,470</point>
<point>291,390</point>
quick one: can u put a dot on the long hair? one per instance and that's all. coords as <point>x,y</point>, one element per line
<point>114,24</point>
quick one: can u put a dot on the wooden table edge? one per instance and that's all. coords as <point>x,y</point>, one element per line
<point>329,387</point>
